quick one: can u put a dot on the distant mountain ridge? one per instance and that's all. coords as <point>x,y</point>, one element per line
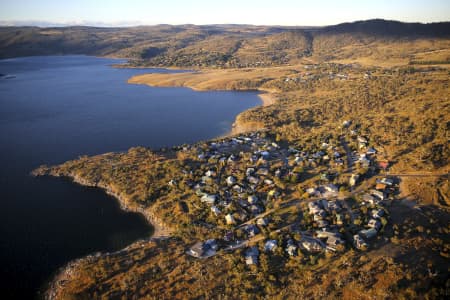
<point>391,28</point>
<point>229,45</point>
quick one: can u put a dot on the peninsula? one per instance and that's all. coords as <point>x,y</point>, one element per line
<point>336,187</point>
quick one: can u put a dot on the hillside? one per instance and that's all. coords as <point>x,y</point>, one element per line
<point>229,46</point>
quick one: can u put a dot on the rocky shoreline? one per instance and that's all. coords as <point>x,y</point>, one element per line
<point>161,230</point>
<point>64,274</point>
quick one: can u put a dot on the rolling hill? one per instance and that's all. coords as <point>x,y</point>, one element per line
<point>228,46</point>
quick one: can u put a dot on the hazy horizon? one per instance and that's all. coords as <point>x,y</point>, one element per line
<point>49,13</point>
<point>44,24</point>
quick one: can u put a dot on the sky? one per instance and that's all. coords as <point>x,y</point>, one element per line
<point>257,12</point>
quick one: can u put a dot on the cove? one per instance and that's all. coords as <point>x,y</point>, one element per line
<point>56,108</point>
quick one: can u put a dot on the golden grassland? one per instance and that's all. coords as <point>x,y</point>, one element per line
<point>405,110</point>
<point>409,267</point>
<point>406,113</point>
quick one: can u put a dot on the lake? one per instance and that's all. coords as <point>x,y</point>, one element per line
<point>57,108</point>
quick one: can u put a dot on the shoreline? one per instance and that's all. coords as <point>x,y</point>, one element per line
<point>238,127</point>
<point>160,230</point>
<point>52,288</point>
<point>267,97</point>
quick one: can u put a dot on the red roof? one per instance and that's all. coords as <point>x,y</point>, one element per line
<point>383,164</point>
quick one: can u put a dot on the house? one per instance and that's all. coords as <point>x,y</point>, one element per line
<point>256,209</point>
<point>203,249</point>
<point>252,180</point>
<point>322,223</point>
<point>206,180</point>
<point>331,188</point>
<point>368,233</point>
<point>249,171</point>
<point>318,154</point>
<point>215,210</point>
<point>333,243</point>
<point>196,250</point>
<point>262,171</point>
<point>362,139</point>
<point>377,213</point>
<point>365,162</point>
<point>243,203</point>
<point>379,194</point>
<point>339,219</point>
<point>311,191</point>
<point>369,199</point>
<point>326,234</point>
<point>387,181</point>
<point>339,161</point>
<point>251,230</point>
<point>253,159</point>
<point>229,236</point>
<point>298,159</point>
<point>312,245</point>
<point>380,186</point>
<point>375,224</point>
<point>230,219</point>
<point>333,206</point>
<point>319,215</point>
<point>237,188</point>
<point>291,248</point>
<point>231,180</point>
<point>210,173</point>
<point>252,199</point>
<point>383,164</point>
<point>371,151</point>
<point>354,179</point>
<point>314,207</point>
<point>232,158</point>
<point>265,155</point>
<point>272,194</point>
<point>262,222</point>
<point>270,245</point>
<point>359,242</point>
<point>251,256</point>
<point>212,244</point>
<point>268,181</point>
<point>324,204</point>
<point>209,199</point>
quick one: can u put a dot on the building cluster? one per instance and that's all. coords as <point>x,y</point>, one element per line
<point>238,180</point>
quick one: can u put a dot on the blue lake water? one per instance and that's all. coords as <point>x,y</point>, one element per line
<point>57,108</point>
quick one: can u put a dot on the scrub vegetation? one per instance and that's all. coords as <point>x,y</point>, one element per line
<point>345,170</point>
